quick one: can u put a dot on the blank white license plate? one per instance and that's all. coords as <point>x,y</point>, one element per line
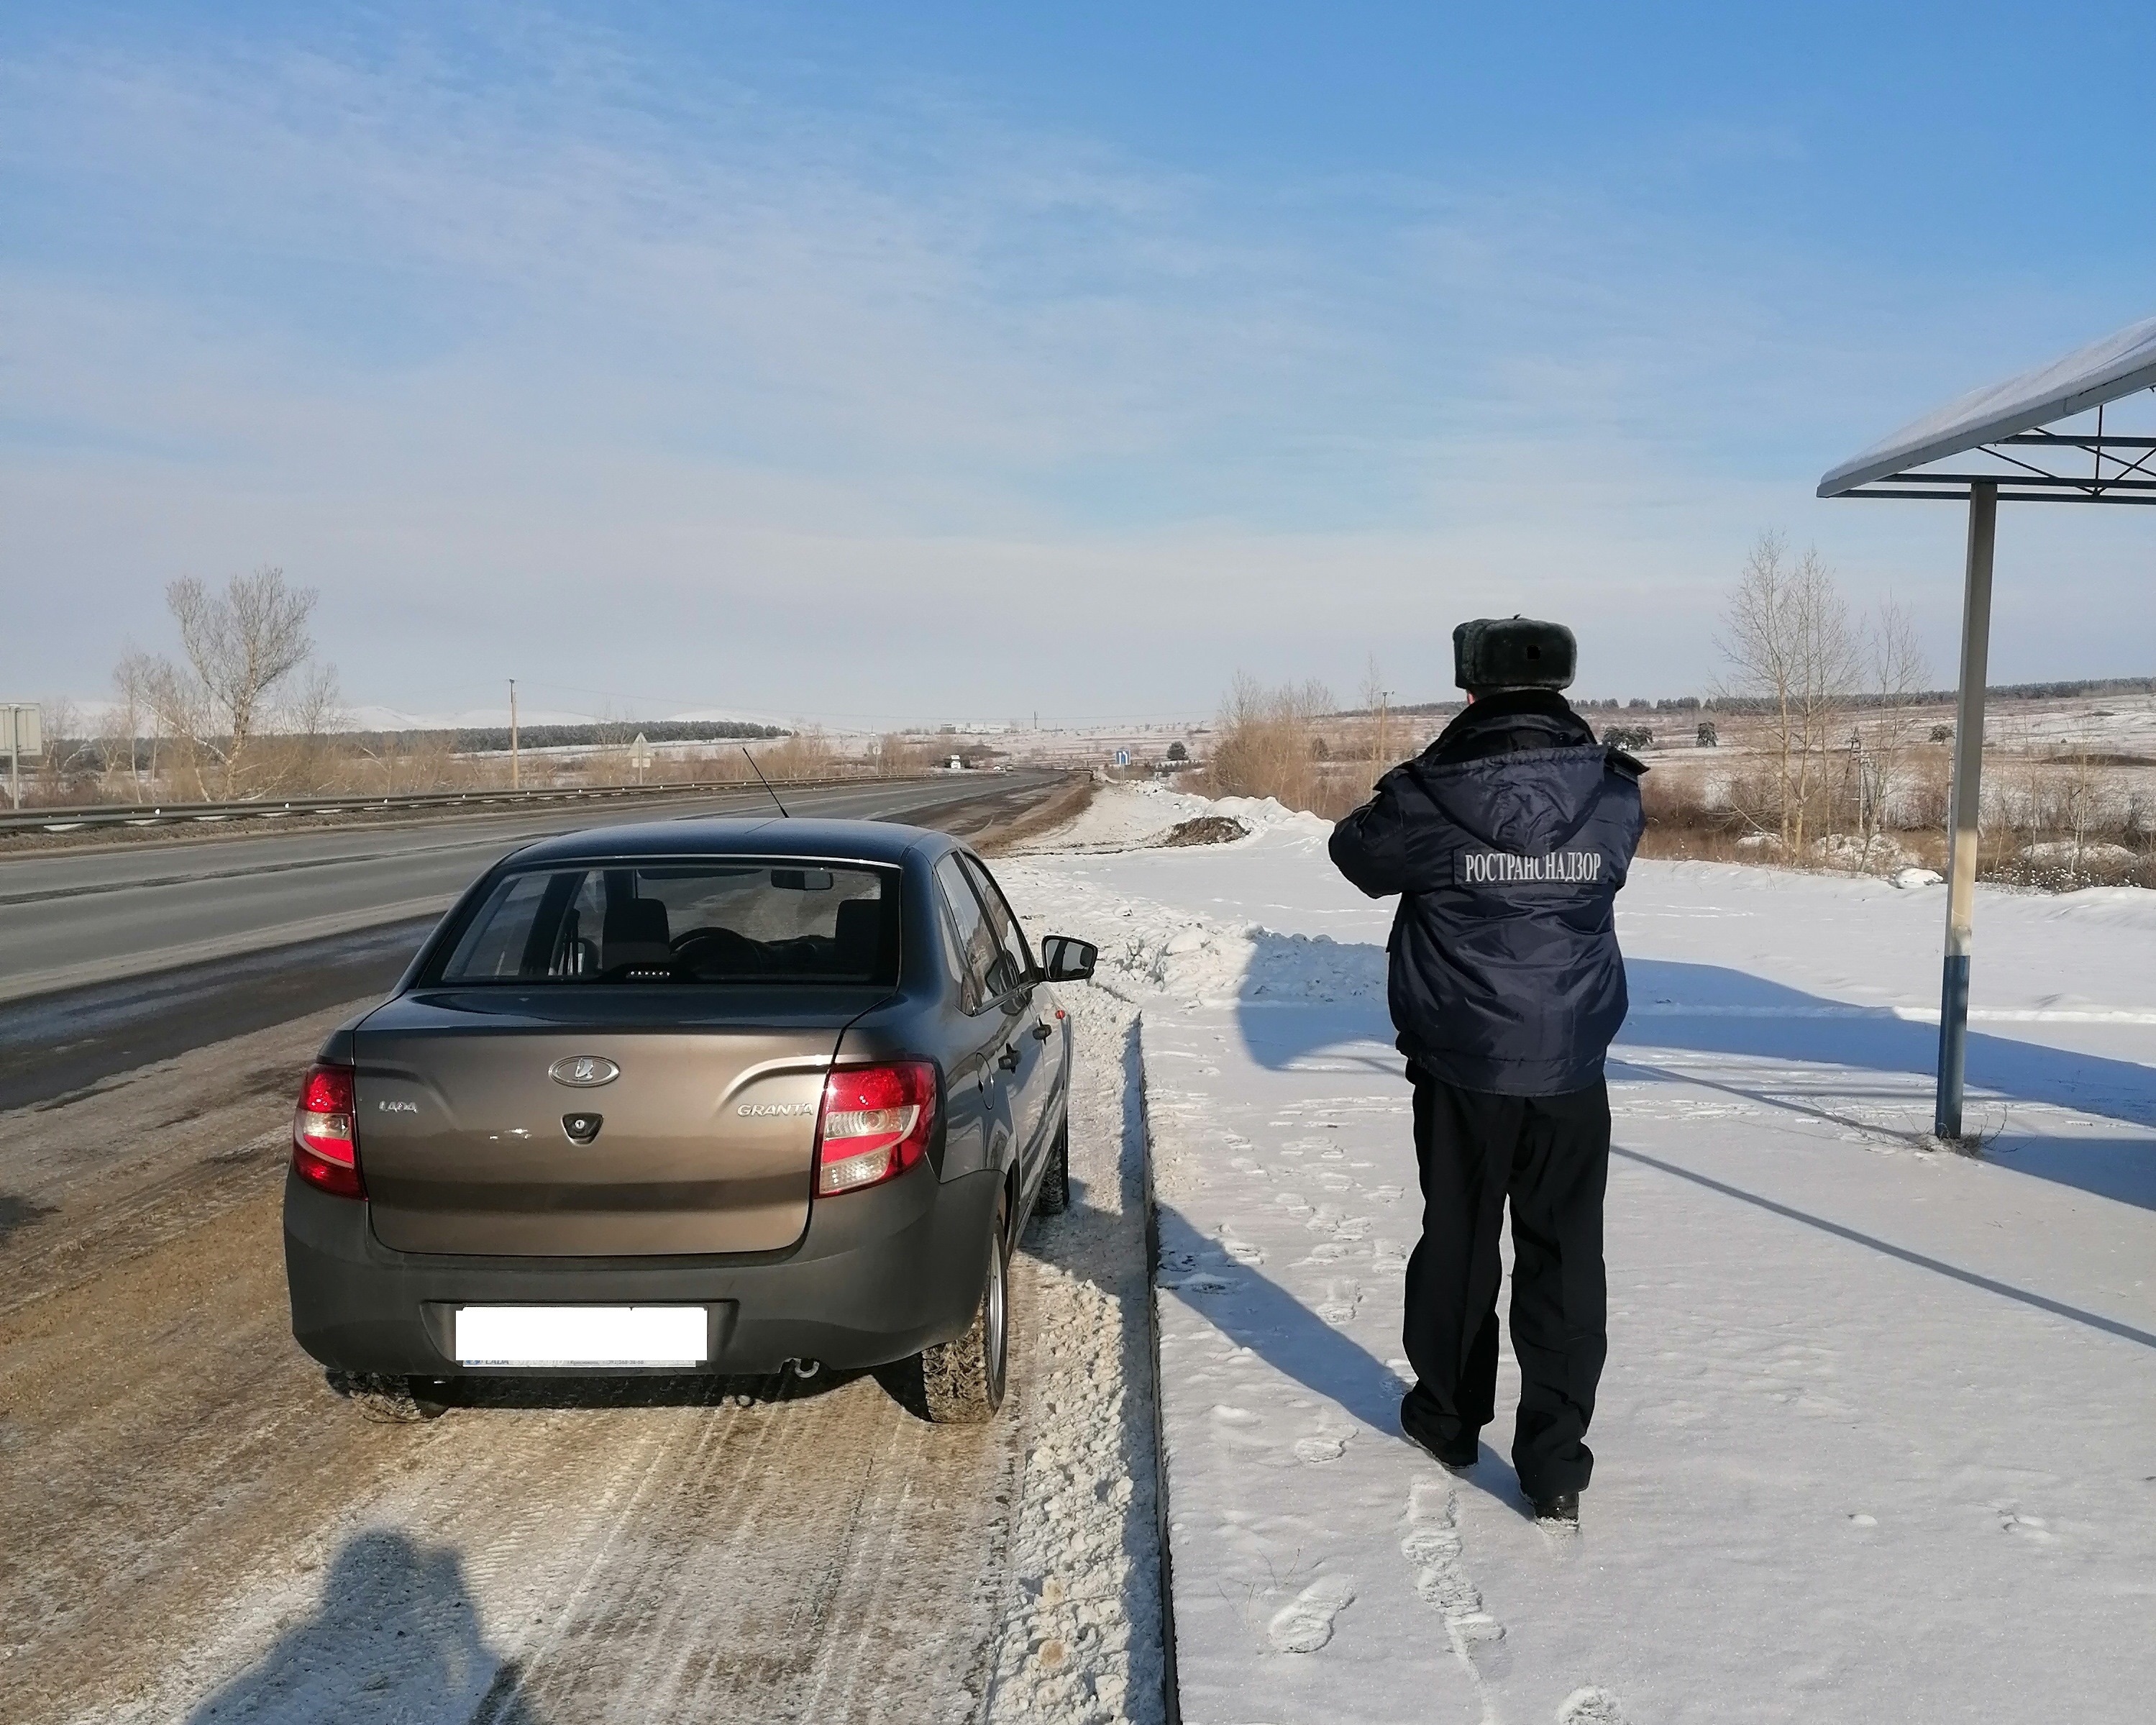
<point>582,1335</point>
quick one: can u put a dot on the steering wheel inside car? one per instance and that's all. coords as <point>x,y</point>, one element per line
<point>719,950</point>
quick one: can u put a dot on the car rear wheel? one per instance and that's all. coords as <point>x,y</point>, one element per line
<point>1054,1197</point>
<point>961,1380</point>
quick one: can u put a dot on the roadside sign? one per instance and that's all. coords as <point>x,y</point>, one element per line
<point>639,757</point>
<point>21,734</point>
<point>1122,757</point>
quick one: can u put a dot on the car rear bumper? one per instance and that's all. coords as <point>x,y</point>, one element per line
<point>878,1275</point>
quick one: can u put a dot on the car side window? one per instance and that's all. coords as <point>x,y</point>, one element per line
<point>977,950</point>
<point>954,959</point>
<point>1016,956</point>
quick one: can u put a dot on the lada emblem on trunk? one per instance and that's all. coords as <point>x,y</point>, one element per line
<point>583,1072</point>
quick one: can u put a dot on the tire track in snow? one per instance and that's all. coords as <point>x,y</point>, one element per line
<point>605,1616</point>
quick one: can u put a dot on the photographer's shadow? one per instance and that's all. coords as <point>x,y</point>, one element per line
<point>396,1636</point>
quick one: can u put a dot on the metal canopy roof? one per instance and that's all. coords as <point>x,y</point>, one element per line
<point>2009,413</point>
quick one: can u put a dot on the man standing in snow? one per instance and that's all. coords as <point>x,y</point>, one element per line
<point>1508,840</point>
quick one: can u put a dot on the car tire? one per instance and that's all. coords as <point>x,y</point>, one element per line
<point>963,1380</point>
<point>389,1400</point>
<point>1054,1197</point>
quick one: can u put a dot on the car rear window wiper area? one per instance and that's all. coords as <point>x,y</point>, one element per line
<point>734,921</point>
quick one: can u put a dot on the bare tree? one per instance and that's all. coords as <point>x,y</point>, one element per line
<point>1787,638</point>
<point>385,756</point>
<point>240,646</point>
<point>180,712</point>
<point>1379,700</point>
<point>2079,797</point>
<point>1898,673</point>
<point>897,755</point>
<point>67,771</point>
<point>238,649</point>
<point>805,754</point>
<point>132,717</point>
<point>1267,746</point>
<point>303,755</point>
<point>316,708</point>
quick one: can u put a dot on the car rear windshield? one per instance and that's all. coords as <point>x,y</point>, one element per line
<point>737,920</point>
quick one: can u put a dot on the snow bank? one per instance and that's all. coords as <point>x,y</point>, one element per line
<point>1125,817</point>
<point>1081,1636</point>
<point>2113,906</point>
<point>2065,851</point>
<point>1207,962</point>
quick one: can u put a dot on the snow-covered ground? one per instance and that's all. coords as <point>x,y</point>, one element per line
<point>1875,1441</point>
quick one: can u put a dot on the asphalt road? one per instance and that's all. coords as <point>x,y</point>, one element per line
<point>115,957</point>
<point>76,916</point>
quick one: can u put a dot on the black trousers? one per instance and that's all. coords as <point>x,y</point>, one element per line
<point>1550,1156</point>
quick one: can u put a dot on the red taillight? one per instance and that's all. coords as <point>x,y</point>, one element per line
<point>874,1125</point>
<point>325,1144</point>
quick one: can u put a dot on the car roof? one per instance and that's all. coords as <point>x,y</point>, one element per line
<point>765,835</point>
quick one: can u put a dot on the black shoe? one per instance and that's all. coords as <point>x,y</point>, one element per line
<point>1562,1511</point>
<point>1461,1453</point>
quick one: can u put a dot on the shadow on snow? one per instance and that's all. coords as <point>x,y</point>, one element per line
<point>1712,1009</point>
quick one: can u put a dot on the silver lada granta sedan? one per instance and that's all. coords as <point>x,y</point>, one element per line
<point>723,1096</point>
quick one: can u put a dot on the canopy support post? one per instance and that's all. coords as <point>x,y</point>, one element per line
<point>1967,797</point>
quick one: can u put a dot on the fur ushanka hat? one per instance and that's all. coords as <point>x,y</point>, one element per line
<point>1513,653</point>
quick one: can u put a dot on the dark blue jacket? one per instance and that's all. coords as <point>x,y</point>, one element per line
<point>1508,840</point>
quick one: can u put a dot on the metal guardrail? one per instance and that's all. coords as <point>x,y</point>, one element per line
<point>69,818</point>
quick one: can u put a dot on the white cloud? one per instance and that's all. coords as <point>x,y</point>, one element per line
<point>599,376</point>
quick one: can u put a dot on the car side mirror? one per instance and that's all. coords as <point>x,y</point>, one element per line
<point>1064,958</point>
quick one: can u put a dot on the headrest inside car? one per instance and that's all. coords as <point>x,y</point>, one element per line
<point>636,933</point>
<point>858,932</point>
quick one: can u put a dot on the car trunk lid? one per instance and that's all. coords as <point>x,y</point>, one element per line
<point>489,1126</point>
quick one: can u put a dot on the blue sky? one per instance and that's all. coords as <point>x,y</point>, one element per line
<point>874,362</point>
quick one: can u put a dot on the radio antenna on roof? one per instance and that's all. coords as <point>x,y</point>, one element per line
<point>763,781</point>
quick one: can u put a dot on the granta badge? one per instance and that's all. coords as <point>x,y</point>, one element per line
<point>583,1072</point>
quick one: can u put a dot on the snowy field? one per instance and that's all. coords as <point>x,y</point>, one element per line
<point>1877,1438</point>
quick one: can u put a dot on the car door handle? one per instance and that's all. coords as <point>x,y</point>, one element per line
<point>1042,1032</point>
<point>1009,1058</point>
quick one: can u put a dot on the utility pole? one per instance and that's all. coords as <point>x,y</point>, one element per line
<point>515,779</point>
